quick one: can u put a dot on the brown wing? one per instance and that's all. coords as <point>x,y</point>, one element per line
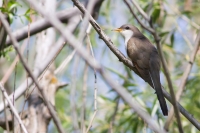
<point>140,50</point>
<point>145,58</point>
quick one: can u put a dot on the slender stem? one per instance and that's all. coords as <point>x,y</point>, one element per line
<point>184,79</point>
<point>11,105</point>
<point>129,64</point>
<point>87,57</point>
<point>15,45</point>
<point>167,74</point>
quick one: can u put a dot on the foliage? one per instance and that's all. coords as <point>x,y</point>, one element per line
<point>167,17</point>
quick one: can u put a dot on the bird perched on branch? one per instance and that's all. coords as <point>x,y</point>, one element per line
<point>145,58</point>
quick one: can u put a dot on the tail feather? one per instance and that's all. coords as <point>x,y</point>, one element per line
<point>162,101</point>
<point>155,78</point>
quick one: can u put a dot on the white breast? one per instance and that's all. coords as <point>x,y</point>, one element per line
<point>127,34</point>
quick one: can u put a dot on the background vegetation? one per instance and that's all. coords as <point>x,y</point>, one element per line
<point>176,22</point>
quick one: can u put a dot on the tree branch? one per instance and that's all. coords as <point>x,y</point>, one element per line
<point>87,57</point>
<point>52,55</point>
<point>41,25</point>
<point>138,19</point>
<point>10,103</point>
<point>129,64</point>
<point>140,10</point>
<point>184,79</point>
<point>167,74</point>
<point>15,45</point>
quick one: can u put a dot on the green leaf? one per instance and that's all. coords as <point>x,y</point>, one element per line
<point>12,5</point>
<point>116,72</point>
<point>156,12</point>
<point>30,12</point>
<point>4,10</point>
<point>172,39</point>
<point>28,17</point>
<point>162,34</point>
<point>11,17</point>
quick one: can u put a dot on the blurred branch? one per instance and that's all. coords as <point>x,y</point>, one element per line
<point>140,10</point>
<point>129,64</point>
<point>48,104</point>
<point>95,78</point>
<point>177,12</point>
<point>12,66</point>
<point>184,79</point>
<point>167,74</point>
<point>73,108</point>
<point>166,71</point>
<point>37,72</point>
<point>87,57</point>
<point>138,19</point>
<point>84,94</point>
<point>5,113</point>
<point>51,56</point>
<point>41,25</point>
<point>9,101</point>
<point>185,37</point>
<point>114,115</point>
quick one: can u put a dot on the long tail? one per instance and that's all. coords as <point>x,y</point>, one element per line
<point>155,78</point>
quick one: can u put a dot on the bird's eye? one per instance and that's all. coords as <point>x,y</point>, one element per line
<point>127,28</point>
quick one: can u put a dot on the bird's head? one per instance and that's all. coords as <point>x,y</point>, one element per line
<point>127,30</point>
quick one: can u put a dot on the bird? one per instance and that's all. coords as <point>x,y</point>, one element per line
<point>145,59</point>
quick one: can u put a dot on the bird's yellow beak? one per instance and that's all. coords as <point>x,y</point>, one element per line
<point>118,30</point>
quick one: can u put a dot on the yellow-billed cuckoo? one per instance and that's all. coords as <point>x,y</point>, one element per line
<point>145,58</point>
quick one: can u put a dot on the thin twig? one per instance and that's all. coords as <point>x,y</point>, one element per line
<point>5,113</point>
<point>74,114</point>
<point>13,120</point>
<point>167,75</point>
<point>61,67</point>
<point>60,41</point>
<point>11,105</point>
<point>166,71</point>
<point>91,121</point>
<point>38,71</point>
<point>87,57</point>
<point>114,115</point>
<point>95,74</point>
<point>49,106</point>
<point>184,79</point>
<point>12,66</point>
<point>177,12</point>
<point>138,19</point>
<point>185,38</point>
<point>95,79</point>
<point>41,25</point>
<point>128,63</point>
<point>84,95</point>
<point>140,10</point>
<point>27,52</point>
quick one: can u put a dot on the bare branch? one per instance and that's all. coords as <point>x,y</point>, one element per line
<point>166,71</point>
<point>185,38</point>
<point>91,121</point>
<point>86,56</point>
<point>140,10</point>
<point>177,12</point>
<point>10,103</point>
<point>51,56</point>
<point>128,63</point>
<point>41,25</point>
<point>184,79</point>
<point>139,21</point>
<point>15,45</point>
<point>6,120</point>
<point>95,80</point>
<point>84,94</point>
